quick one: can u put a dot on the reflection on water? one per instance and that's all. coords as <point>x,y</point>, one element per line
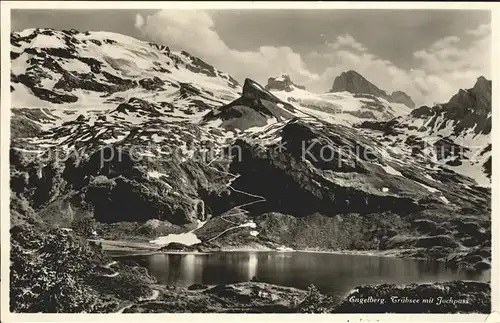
<point>253,261</point>
<point>331,273</point>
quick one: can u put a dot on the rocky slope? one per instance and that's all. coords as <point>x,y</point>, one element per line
<point>450,297</point>
<point>59,75</point>
<point>156,145</point>
<point>455,134</point>
<point>255,297</point>
<point>56,271</point>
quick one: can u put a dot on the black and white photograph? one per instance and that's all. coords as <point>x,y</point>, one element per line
<point>254,160</point>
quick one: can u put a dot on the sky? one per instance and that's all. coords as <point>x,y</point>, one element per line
<point>429,54</point>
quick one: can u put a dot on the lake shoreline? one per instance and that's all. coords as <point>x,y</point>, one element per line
<point>130,248</point>
<point>275,298</point>
<point>123,248</point>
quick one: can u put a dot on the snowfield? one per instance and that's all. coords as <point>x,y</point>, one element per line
<point>339,107</point>
<point>187,239</point>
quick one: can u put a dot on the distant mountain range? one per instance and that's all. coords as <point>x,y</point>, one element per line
<point>355,83</point>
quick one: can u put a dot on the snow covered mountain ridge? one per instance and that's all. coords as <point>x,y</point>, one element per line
<point>70,70</point>
<point>340,107</point>
<point>456,133</point>
<point>98,69</point>
<point>58,76</point>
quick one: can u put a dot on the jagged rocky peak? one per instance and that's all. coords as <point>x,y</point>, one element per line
<point>477,98</point>
<point>282,83</point>
<point>254,91</point>
<point>482,93</point>
<point>255,108</point>
<point>462,124</point>
<point>353,82</point>
<point>402,97</point>
<point>482,83</point>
